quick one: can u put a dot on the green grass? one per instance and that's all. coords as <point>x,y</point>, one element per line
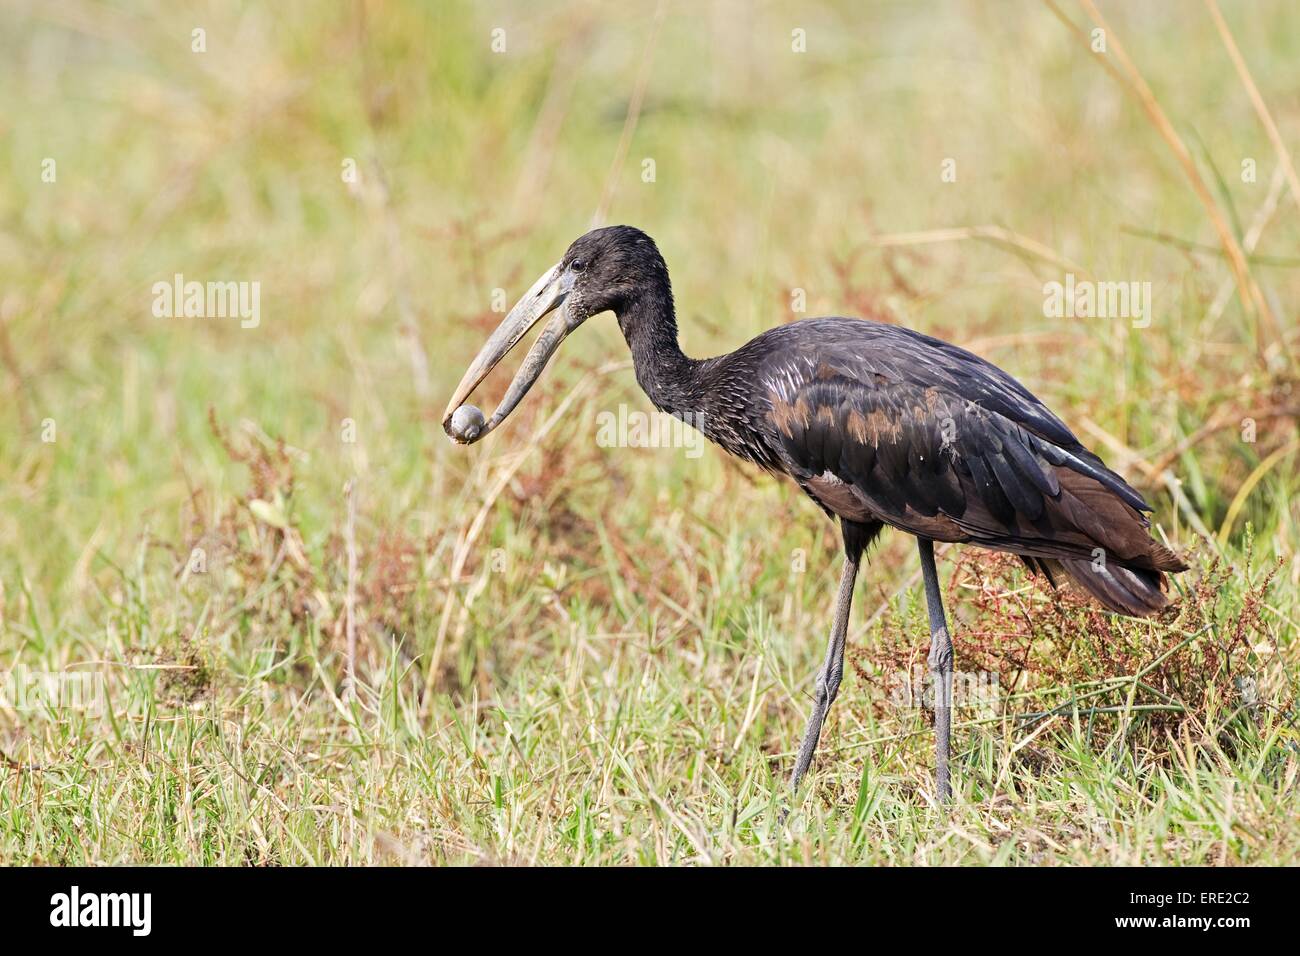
<point>582,655</point>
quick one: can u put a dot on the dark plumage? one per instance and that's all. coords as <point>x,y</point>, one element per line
<point>880,426</point>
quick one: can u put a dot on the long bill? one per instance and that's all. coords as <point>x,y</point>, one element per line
<point>546,295</point>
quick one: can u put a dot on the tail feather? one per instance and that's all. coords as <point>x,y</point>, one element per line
<point>1135,592</point>
<point>1129,578</point>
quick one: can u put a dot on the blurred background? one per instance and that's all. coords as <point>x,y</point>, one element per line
<point>221,512</point>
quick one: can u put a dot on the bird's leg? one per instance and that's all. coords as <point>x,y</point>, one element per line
<point>940,669</point>
<point>828,678</point>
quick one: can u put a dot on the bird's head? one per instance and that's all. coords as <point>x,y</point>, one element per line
<point>605,270</point>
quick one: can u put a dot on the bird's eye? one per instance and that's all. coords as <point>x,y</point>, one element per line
<point>577,265</point>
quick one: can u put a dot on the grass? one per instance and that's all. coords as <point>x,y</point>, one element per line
<point>570,654</point>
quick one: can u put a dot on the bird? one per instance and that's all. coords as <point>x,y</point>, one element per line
<point>881,426</point>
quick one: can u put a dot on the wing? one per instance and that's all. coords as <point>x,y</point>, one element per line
<point>877,356</point>
<point>947,467</point>
<point>881,424</point>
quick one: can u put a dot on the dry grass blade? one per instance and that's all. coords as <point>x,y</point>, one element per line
<point>1247,486</point>
<point>1254,232</point>
<point>1131,78</point>
<point>350,598</point>
<point>1256,100</point>
<point>633,115</point>
<point>545,136</point>
<point>987,233</point>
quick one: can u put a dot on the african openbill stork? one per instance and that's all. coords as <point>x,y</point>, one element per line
<point>878,424</point>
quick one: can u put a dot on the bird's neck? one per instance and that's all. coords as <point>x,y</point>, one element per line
<point>704,393</point>
<point>664,373</point>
